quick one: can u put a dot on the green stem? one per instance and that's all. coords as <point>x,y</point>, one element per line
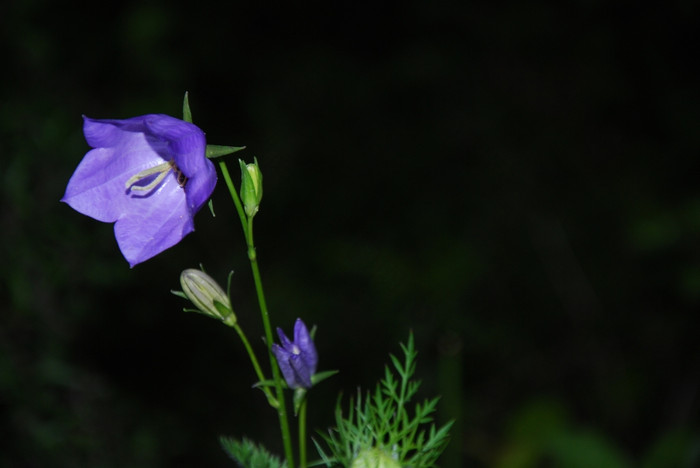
<point>256,365</point>
<point>302,434</point>
<point>236,199</point>
<point>247,224</point>
<point>281,407</point>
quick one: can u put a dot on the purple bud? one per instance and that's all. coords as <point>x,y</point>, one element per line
<point>297,359</point>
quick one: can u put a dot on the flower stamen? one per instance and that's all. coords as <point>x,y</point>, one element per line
<point>162,170</point>
<point>181,178</point>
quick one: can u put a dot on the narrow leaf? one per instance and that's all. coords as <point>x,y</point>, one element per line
<point>211,208</point>
<point>216,151</point>
<point>186,112</point>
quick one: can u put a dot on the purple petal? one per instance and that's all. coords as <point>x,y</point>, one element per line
<point>200,187</point>
<point>187,146</point>
<point>302,374</point>
<point>147,222</point>
<point>97,187</point>
<point>155,224</point>
<point>186,141</point>
<point>303,340</point>
<point>283,360</point>
<point>286,344</point>
<point>106,133</point>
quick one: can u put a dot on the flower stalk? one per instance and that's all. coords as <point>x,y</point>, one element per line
<point>256,365</point>
<point>302,434</point>
<point>247,224</point>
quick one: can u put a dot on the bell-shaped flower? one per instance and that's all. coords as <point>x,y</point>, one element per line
<point>297,359</point>
<point>149,175</point>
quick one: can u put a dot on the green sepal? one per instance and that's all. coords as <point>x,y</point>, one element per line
<point>179,294</point>
<point>228,283</point>
<point>229,318</point>
<point>321,376</point>
<point>272,401</point>
<point>186,112</point>
<point>299,397</point>
<point>216,151</point>
<point>221,307</point>
<point>211,208</point>
<point>268,383</point>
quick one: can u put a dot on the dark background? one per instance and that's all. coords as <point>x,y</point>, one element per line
<point>516,183</point>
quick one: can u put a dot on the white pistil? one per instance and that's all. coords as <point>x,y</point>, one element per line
<point>162,171</point>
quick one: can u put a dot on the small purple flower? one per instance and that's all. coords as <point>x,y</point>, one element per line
<point>149,174</point>
<point>298,359</point>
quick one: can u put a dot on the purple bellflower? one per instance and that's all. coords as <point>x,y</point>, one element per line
<point>298,359</point>
<point>149,175</point>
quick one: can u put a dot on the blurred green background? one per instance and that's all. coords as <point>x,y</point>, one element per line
<point>516,183</point>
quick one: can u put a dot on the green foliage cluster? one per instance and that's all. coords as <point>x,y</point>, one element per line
<point>248,454</point>
<point>381,422</point>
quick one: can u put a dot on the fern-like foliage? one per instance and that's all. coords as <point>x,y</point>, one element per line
<point>248,454</point>
<point>381,422</point>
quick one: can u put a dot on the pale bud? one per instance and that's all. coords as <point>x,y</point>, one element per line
<point>207,295</point>
<point>374,458</point>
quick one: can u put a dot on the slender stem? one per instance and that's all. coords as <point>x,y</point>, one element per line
<point>302,434</point>
<point>281,407</point>
<point>236,199</point>
<point>247,224</point>
<point>256,365</point>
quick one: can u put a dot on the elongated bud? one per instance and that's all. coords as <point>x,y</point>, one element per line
<point>374,458</point>
<point>251,187</point>
<point>207,295</point>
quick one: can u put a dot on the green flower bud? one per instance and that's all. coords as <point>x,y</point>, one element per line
<point>207,295</point>
<point>374,458</point>
<point>251,187</point>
